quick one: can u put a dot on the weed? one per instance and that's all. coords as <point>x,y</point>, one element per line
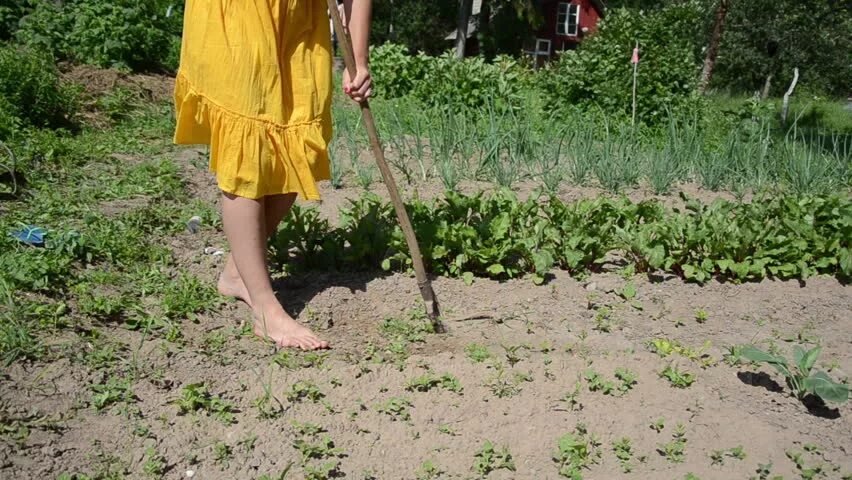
<point>155,464</point>
<point>222,454</point>
<point>658,425</point>
<point>195,397</point>
<point>571,398</point>
<point>501,386</point>
<point>701,316</point>
<point>489,459</point>
<point>113,391</point>
<point>623,449</point>
<point>428,470</point>
<point>717,457</point>
<point>512,354</point>
<point>396,408</point>
<point>414,328</point>
<point>627,378</point>
<point>577,451</point>
<point>674,451</point>
<point>677,378</point>
<point>305,390</point>
<point>426,382</point>
<point>477,353</point>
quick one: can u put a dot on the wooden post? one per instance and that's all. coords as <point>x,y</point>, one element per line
<point>462,21</point>
<point>785,106</point>
<point>635,61</point>
<point>423,282</point>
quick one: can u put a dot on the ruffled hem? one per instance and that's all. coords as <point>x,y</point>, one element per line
<point>252,157</point>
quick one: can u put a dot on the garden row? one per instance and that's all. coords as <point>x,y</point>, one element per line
<point>498,236</point>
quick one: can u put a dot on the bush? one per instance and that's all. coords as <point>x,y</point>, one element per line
<point>31,92</point>
<point>123,34</point>
<point>599,73</point>
<point>445,81</point>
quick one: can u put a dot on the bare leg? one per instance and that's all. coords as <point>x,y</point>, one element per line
<point>245,225</point>
<point>276,208</point>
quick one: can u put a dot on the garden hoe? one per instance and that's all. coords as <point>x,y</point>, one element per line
<point>423,281</point>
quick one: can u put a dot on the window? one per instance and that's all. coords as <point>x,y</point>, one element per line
<point>542,47</point>
<point>568,19</point>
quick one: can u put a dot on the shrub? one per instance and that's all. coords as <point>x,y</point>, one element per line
<point>445,81</point>
<point>31,92</point>
<point>122,34</point>
<point>599,73</point>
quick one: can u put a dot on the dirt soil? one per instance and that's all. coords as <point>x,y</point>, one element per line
<point>553,327</point>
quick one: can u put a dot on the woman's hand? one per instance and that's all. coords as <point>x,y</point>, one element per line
<point>359,88</point>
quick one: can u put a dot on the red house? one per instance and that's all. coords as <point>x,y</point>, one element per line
<point>566,23</point>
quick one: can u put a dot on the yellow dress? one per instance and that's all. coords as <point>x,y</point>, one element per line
<point>254,83</point>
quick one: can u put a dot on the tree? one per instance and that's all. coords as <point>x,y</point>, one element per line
<point>420,26</point>
<point>713,45</point>
<point>465,7</point>
<point>766,39</point>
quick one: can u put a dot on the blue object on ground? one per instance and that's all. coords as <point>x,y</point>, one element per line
<point>31,235</point>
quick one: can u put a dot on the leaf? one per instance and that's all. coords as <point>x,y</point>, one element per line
<point>825,388</point>
<point>468,278</point>
<point>756,355</point>
<point>806,363</point>
<point>386,264</point>
<point>629,291</point>
<point>496,269</point>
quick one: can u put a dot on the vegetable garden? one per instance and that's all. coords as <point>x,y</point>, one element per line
<point>662,300</point>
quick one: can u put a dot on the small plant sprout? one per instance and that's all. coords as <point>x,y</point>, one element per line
<point>624,453</point>
<point>426,382</point>
<point>396,408</point>
<point>428,470</point>
<point>799,375</point>
<point>677,378</point>
<point>658,425</point>
<point>701,316</point>
<point>489,459</point>
<point>674,451</point>
<point>576,451</point>
<point>195,397</point>
<point>477,353</point>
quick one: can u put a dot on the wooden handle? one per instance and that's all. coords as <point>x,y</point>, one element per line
<point>423,282</point>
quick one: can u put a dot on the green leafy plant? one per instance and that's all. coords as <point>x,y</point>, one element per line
<point>489,459</point>
<point>396,408</point>
<point>195,397</point>
<point>676,377</point>
<point>623,449</point>
<point>576,451</point>
<point>426,382</point>
<point>675,450</point>
<point>477,353</point>
<point>799,374</point>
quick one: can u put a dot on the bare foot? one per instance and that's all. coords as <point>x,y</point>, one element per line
<point>286,332</point>
<point>231,284</point>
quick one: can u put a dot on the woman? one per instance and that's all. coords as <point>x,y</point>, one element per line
<point>255,84</point>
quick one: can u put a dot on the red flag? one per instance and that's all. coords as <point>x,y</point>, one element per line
<point>635,58</point>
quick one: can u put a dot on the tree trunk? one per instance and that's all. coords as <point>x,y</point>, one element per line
<point>713,46</point>
<point>484,34</point>
<point>465,7</point>
<point>766,87</point>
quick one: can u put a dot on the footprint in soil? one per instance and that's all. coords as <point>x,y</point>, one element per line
<point>814,404</point>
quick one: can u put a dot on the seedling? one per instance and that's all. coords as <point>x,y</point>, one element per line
<point>113,391</point>
<point>195,397</point>
<point>426,382</point>
<point>477,353</point>
<point>222,453</point>
<point>701,316</point>
<point>597,383</point>
<point>512,355</point>
<point>488,459</point>
<point>799,376</point>
<point>501,386</point>
<point>576,451</point>
<point>292,360</point>
<point>717,457</point>
<point>624,453</point>
<point>155,464</point>
<point>571,398</point>
<point>396,408</point>
<point>428,471</point>
<point>305,390</point>
<point>678,378</point>
<point>627,378</point>
<point>674,451</point>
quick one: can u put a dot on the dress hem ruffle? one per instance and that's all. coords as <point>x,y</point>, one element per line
<point>253,157</point>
